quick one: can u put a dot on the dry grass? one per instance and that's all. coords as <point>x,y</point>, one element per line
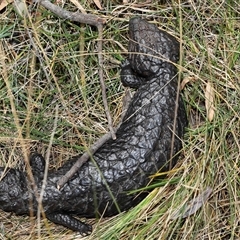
<point>48,61</point>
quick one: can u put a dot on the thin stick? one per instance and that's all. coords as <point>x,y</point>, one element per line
<point>84,158</point>
<point>102,83</point>
<point>178,90</point>
<point>72,16</point>
<point>44,183</point>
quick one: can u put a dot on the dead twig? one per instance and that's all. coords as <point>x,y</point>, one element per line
<point>104,95</point>
<point>178,95</point>
<point>84,158</point>
<point>72,16</point>
<point>44,183</point>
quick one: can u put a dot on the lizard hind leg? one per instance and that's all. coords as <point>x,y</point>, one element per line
<point>70,222</point>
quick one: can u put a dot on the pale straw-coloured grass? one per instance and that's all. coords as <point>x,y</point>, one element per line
<point>48,61</point>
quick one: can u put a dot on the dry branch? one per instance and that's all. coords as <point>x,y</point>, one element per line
<point>72,16</point>
<point>83,158</point>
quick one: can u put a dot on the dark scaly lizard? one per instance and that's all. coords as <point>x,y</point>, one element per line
<point>142,147</point>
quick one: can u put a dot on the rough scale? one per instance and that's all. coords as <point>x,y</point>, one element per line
<point>142,147</point>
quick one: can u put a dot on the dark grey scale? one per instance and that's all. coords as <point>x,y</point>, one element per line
<point>37,163</point>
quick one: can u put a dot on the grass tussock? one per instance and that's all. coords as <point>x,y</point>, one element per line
<point>46,61</point>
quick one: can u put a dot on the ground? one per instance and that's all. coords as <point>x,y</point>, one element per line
<point>47,62</point>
